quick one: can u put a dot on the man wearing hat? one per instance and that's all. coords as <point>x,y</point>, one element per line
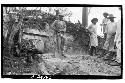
<point>93,37</point>
<point>109,43</point>
<point>59,27</point>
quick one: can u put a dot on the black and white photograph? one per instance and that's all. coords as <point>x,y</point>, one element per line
<point>55,41</point>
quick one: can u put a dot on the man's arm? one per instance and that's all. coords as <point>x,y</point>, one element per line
<point>54,25</point>
<point>117,33</point>
<point>64,27</point>
<point>106,29</point>
<point>102,23</point>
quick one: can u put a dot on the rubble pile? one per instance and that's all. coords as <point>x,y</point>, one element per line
<point>77,65</point>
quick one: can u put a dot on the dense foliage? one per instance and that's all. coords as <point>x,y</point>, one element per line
<point>79,33</point>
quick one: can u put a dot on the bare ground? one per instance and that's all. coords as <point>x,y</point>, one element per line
<point>77,63</point>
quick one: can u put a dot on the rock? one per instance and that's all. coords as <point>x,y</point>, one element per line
<point>56,65</point>
<point>9,73</point>
<point>43,69</point>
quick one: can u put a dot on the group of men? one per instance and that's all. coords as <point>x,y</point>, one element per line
<point>112,36</point>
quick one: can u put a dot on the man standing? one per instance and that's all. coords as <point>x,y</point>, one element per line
<point>93,37</point>
<point>109,43</point>
<point>118,40</point>
<point>60,28</point>
<point>104,23</point>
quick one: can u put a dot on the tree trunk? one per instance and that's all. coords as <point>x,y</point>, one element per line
<point>85,16</point>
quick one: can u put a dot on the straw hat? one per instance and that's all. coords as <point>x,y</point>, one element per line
<point>111,16</point>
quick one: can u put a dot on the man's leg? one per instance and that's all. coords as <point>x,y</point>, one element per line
<point>118,57</point>
<point>116,62</point>
<point>106,45</point>
<point>112,53</point>
<point>105,35</point>
<point>92,50</point>
<point>60,50</point>
<point>96,50</point>
<point>62,45</point>
<point>57,53</point>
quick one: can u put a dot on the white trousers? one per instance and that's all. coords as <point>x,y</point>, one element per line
<point>118,45</point>
<point>118,57</point>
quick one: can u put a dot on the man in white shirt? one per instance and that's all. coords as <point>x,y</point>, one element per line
<point>104,23</point>
<point>117,40</point>
<point>109,43</point>
<point>93,37</point>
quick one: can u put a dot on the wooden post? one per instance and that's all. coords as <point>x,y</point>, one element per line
<point>85,16</point>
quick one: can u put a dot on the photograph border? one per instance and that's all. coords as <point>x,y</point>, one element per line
<point>60,76</point>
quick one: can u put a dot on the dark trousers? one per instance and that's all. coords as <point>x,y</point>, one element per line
<point>92,50</point>
<point>105,35</point>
